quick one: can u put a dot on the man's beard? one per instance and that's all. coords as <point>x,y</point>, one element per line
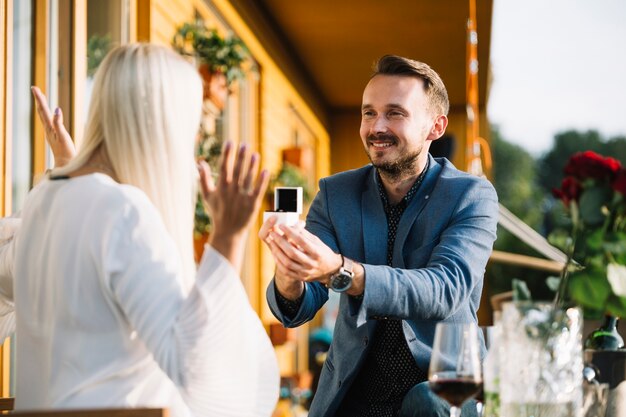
<point>399,168</point>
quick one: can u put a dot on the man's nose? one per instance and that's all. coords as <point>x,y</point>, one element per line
<point>379,125</point>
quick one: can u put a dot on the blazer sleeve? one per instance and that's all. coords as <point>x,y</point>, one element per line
<point>315,294</point>
<point>456,265</point>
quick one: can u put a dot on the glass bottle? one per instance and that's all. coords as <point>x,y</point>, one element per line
<point>605,337</point>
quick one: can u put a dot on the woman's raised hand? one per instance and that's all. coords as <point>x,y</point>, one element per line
<point>57,136</point>
<point>234,200</point>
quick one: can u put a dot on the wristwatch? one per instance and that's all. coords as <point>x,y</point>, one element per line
<point>342,280</point>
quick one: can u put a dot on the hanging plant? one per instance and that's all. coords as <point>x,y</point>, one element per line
<point>290,176</point>
<point>97,48</point>
<point>224,55</point>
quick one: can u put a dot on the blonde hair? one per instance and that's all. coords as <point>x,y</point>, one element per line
<point>145,114</point>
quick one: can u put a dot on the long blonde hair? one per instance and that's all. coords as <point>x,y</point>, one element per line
<point>145,114</point>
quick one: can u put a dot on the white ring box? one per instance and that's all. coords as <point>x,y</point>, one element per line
<point>287,205</point>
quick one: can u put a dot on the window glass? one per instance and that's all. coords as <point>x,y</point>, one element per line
<point>21,101</point>
<point>108,25</point>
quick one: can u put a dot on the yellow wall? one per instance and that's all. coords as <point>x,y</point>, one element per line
<point>281,107</point>
<point>347,149</point>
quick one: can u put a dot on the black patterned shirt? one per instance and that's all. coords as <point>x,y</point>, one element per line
<point>389,370</point>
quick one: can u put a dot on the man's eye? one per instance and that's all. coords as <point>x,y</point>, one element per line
<point>368,113</point>
<point>394,114</point>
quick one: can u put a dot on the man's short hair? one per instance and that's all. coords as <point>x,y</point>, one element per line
<point>435,90</point>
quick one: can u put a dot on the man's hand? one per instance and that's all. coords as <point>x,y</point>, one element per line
<point>288,283</point>
<point>234,201</point>
<point>304,254</point>
<point>301,256</point>
<point>57,136</point>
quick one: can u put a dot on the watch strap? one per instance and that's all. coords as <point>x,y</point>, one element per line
<point>347,265</point>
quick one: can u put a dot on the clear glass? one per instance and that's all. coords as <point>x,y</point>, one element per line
<point>488,400</point>
<point>541,361</point>
<point>455,372</point>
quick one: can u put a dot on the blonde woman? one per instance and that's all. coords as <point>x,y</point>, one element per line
<point>110,309</point>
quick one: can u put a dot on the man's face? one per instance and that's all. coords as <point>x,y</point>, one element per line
<point>395,123</point>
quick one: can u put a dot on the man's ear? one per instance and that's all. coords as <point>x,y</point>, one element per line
<point>439,127</point>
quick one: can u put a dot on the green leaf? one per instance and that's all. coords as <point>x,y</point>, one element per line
<point>616,305</point>
<point>561,239</point>
<point>591,202</point>
<point>594,240</point>
<point>588,289</point>
<point>520,290</point>
<point>597,263</point>
<point>616,245</point>
<point>592,313</point>
<point>553,283</point>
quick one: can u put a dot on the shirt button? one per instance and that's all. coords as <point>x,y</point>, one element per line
<point>365,341</point>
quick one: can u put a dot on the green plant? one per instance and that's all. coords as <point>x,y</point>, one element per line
<point>220,54</point>
<point>97,48</point>
<point>291,176</point>
<point>593,193</point>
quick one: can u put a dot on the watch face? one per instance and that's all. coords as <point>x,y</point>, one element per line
<point>341,282</point>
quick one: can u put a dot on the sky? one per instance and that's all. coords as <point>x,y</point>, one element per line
<point>557,65</point>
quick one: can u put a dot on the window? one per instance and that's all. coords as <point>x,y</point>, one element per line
<point>21,108</point>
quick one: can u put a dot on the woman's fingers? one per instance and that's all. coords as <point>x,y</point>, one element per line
<point>45,115</point>
<point>57,136</point>
<point>253,167</point>
<point>226,164</point>
<point>206,179</point>
<point>241,164</point>
<point>57,122</point>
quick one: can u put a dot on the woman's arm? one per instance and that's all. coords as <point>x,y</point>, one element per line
<point>8,228</point>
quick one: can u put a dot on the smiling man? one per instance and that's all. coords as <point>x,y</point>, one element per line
<point>405,240</point>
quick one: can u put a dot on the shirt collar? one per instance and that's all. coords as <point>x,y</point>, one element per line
<point>409,195</point>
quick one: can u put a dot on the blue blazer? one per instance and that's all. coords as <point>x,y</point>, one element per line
<point>444,240</point>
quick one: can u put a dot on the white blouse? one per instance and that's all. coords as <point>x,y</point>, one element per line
<point>102,318</point>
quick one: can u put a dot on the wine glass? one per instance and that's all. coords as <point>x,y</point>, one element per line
<point>455,370</point>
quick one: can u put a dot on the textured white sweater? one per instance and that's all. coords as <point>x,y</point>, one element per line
<point>102,317</point>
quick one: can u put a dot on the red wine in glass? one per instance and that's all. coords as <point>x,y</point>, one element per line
<point>455,390</point>
<point>455,373</point>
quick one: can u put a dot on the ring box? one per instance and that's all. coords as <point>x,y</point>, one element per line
<point>287,205</point>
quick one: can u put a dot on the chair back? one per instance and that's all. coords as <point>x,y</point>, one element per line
<point>6,403</point>
<point>100,412</point>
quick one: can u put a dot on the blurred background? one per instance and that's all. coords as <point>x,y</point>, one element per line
<point>530,83</point>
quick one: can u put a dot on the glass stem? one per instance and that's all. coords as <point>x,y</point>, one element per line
<point>479,408</point>
<point>455,412</point>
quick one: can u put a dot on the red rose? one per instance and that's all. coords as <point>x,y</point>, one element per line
<point>619,183</point>
<point>589,164</point>
<point>570,190</point>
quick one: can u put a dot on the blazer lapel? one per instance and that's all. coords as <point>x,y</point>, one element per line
<point>417,204</point>
<point>374,223</point>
